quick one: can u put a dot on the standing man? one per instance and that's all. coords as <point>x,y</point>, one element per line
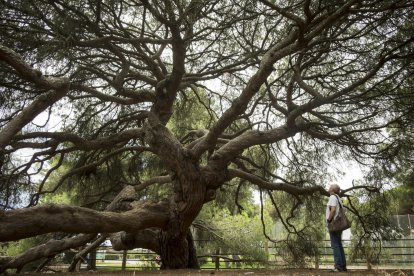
<point>332,210</point>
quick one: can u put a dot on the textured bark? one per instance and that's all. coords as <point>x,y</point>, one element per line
<point>147,238</point>
<point>45,262</point>
<point>175,253</point>
<point>48,249</point>
<point>178,252</point>
<point>188,198</point>
<point>59,87</point>
<point>85,251</point>
<point>24,223</point>
<point>176,245</point>
<point>192,253</point>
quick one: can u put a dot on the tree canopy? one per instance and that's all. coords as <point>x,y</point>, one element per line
<point>149,107</point>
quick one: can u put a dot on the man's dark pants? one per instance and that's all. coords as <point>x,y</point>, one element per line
<point>338,250</point>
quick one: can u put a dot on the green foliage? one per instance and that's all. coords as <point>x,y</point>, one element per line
<point>298,250</point>
<point>300,227</point>
<point>400,153</point>
<point>403,172</point>
<point>404,196</point>
<point>60,198</point>
<point>238,234</point>
<point>225,198</point>
<point>191,111</point>
<point>259,159</point>
<point>371,226</point>
<point>18,247</point>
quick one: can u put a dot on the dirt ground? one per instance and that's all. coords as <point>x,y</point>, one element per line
<point>247,272</point>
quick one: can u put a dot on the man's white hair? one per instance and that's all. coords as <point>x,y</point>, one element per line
<point>335,188</point>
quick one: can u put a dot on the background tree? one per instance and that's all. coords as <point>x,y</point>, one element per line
<point>308,82</point>
<point>401,169</point>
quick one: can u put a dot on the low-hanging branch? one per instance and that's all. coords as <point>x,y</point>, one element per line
<point>50,248</point>
<point>54,247</point>
<point>24,223</point>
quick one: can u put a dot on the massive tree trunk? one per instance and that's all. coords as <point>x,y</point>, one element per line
<point>176,245</point>
<point>177,251</point>
<point>174,242</point>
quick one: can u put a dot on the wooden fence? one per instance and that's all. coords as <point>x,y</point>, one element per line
<point>394,253</point>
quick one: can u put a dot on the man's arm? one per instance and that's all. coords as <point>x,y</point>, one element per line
<point>332,211</point>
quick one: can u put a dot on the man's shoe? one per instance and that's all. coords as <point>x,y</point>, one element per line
<point>335,270</point>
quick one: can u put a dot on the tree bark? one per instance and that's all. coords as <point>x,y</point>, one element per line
<point>176,243</point>
<point>178,252</point>
<point>50,248</point>
<point>147,238</point>
<point>24,223</point>
<point>42,265</point>
<point>58,87</point>
<point>189,186</point>
<point>85,251</point>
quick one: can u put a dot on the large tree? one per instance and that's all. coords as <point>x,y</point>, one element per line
<point>287,87</point>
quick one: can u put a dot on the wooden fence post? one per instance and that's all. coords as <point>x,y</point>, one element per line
<point>124,259</point>
<point>217,261</point>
